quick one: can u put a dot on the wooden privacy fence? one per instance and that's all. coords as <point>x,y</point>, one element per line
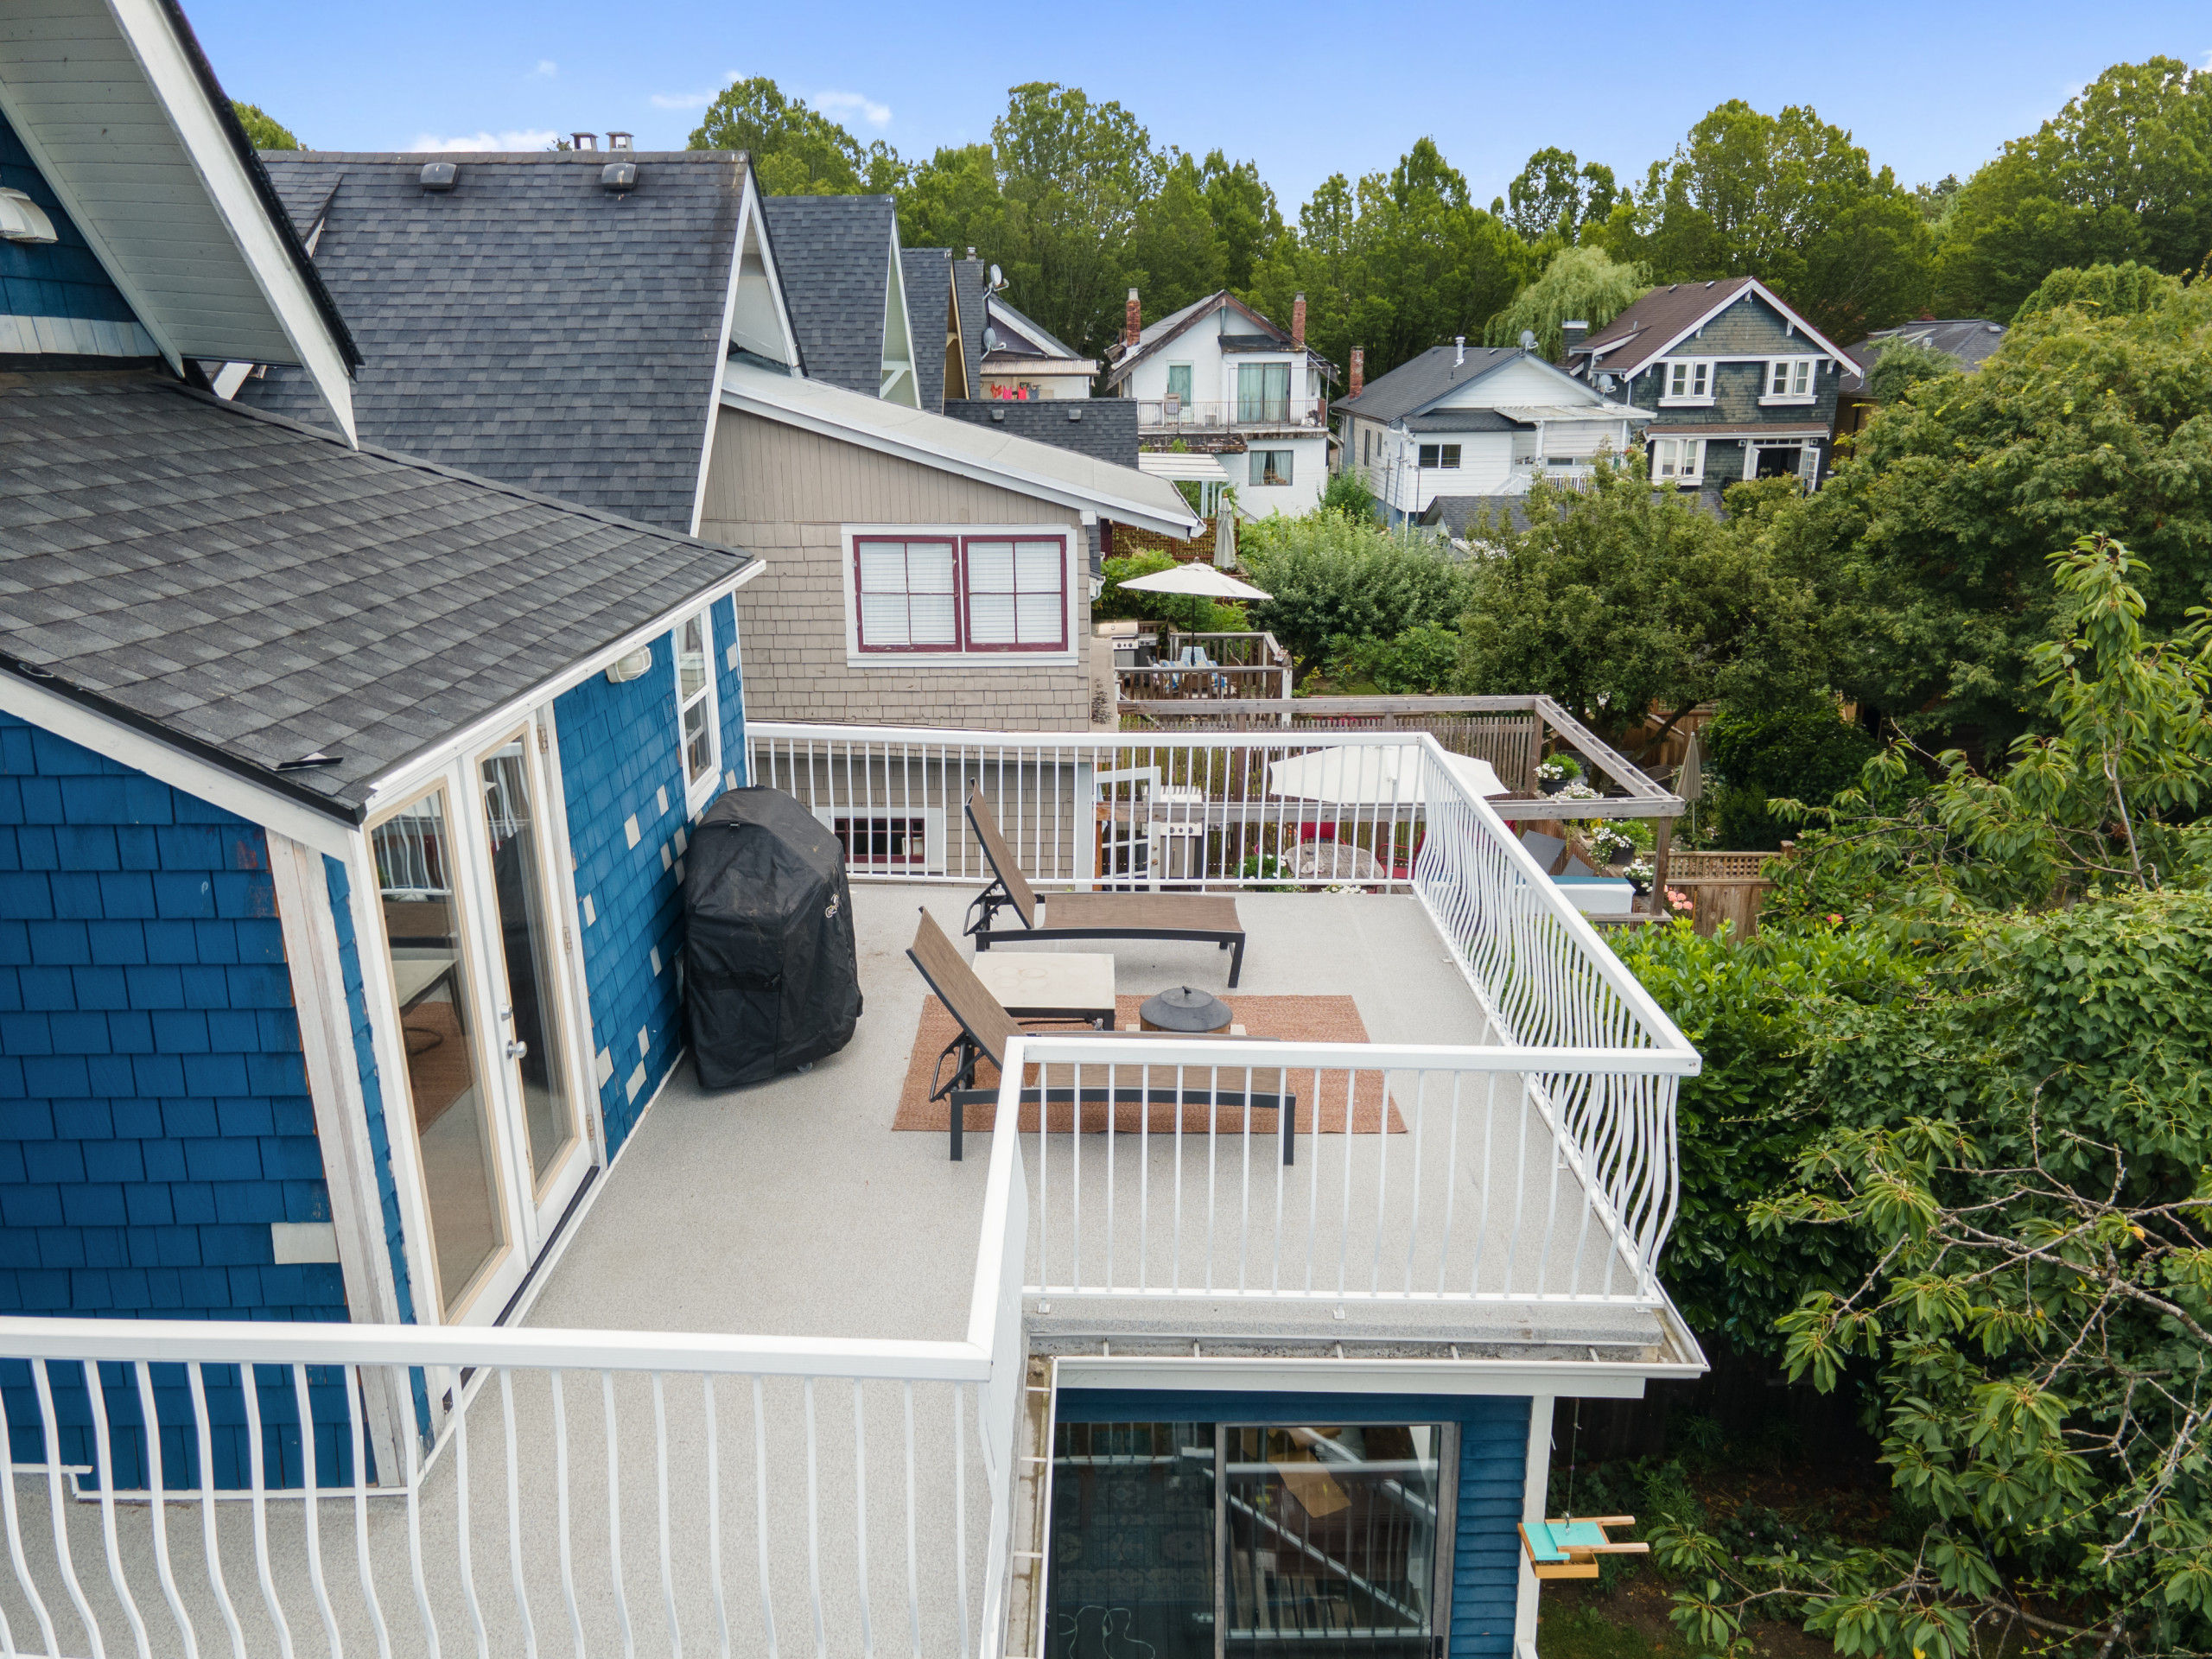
<point>1724,887</point>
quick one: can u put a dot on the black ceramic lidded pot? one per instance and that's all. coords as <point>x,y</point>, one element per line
<point>1185,1010</point>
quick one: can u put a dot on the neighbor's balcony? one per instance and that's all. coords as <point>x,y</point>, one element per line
<point>1232,415</point>
<point>1491,1171</point>
<point>1154,662</point>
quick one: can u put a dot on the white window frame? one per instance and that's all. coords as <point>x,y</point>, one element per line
<point>697,792</point>
<point>1447,458</point>
<point>1290,458</point>
<point>1694,474</point>
<point>1696,376</point>
<point>1787,371</point>
<point>1073,591</point>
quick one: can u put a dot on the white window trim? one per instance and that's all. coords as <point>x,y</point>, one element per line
<point>1273,449</point>
<point>1770,399</point>
<point>697,793</point>
<point>1697,477</point>
<point>1666,365</point>
<point>1075,590</point>
<point>1440,465</point>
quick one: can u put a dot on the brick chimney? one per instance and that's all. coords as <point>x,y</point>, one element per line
<point>1133,323</point>
<point>1358,372</point>
<point>1572,334</point>
<point>1297,323</point>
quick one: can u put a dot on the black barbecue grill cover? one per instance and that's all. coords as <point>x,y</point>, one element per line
<point>770,976</point>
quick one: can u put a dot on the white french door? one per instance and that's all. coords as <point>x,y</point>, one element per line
<point>495,1106</point>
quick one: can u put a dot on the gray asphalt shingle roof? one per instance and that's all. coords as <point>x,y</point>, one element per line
<point>527,324</point>
<point>928,296</point>
<point>970,286</point>
<point>1421,380</point>
<point>833,256</point>
<point>256,591</point>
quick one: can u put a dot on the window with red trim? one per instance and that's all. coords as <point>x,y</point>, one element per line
<point>987,593</point>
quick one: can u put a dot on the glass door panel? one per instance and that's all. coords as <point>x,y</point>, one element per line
<point>1330,1537</point>
<point>533,1041</point>
<point>429,969</point>
<point>1132,1540</point>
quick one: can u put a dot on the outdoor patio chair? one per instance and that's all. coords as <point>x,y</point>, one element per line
<point>985,1028</point>
<point>1193,916</point>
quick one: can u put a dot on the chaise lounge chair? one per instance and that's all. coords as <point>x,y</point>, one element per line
<point>1091,915</point>
<point>985,1028</point>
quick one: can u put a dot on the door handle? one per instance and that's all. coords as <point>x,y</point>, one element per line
<point>517,1050</point>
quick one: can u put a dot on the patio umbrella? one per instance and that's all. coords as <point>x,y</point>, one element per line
<point>1371,777</point>
<point>1202,581</point>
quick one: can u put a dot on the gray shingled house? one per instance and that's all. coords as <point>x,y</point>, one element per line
<point>599,325</point>
<point>1738,384</point>
<point>343,793</point>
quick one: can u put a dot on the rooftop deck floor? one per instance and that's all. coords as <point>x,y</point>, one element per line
<point>793,1208</point>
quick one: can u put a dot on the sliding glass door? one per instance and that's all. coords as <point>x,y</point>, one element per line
<point>1203,1540</point>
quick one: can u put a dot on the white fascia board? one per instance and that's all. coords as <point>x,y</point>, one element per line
<point>127,745</point>
<point>1835,353</point>
<point>747,205</point>
<point>404,774</point>
<point>147,28</point>
<point>1579,1378</point>
<point>752,401</point>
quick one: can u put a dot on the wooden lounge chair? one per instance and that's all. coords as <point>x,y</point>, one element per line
<point>1091,915</point>
<point>985,1028</point>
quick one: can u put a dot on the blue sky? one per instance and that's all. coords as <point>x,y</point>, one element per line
<point>1305,90</point>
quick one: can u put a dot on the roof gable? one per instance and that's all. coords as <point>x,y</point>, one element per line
<point>1440,381</point>
<point>529,325</point>
<point>1665,317</point>
<point>836,257</point>
<point>121,115</point>
<point>1124,357</point>
<point>929,302</point>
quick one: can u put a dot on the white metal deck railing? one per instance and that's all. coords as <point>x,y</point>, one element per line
<point>1561,1101</point>
<point>568,1491</point>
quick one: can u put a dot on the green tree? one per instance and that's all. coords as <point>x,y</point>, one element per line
<point>2109,290</point>
<point>2123,172</point>
<point>1929,545</point>
<point>953,201</point>
<point>796,151</point>
<point>1790,200</point>
<point>1075,175</point>
<point>1579,284</point>
<point>264,132</point>
<point>1623,600</point>
<point>1174,254</point>
<point>1904,364</point>
<point>2017,1151</point>
<point>1557,195</point>
<point>1334,580</point>
<point>1246,221</point>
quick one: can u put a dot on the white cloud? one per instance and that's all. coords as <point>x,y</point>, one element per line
<point>547,67</point>
<point>525,138</point>
<point>875,114</point>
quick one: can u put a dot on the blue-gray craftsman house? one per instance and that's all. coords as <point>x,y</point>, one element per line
<point>1739,385</point>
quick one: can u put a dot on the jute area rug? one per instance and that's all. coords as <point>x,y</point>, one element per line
<point>1299,1019</point>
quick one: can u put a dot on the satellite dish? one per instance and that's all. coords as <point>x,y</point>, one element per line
<point>1527,339</point>
<point>991,339</point>
<point>997,280</point>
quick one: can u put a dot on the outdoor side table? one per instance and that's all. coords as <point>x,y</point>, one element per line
<point>1050,985</point>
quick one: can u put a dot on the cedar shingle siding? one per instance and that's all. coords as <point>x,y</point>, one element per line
<point>797,491</point>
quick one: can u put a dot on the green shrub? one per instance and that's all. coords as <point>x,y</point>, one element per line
<point>1804,754</point>
<point>1348,493</point>
<point>1421,660</point>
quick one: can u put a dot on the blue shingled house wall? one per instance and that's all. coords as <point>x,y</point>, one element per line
<point>153,1109</point>
<point>622,776</point>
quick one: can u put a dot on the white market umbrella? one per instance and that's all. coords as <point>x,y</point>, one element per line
<point>1199,580</point>
<point>1372,776</point>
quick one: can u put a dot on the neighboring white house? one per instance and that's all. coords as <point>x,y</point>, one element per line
<point>1223,380</point>
<point>1485,422</point>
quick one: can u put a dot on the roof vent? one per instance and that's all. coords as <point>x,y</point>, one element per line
<point>1075,413</point>
<point>1460,349</point>
<point>999,414</point>
<point>619,175</point>
<point>439,175</point>
<point>619,141</point>
<point>311,762</point>
<point>22,220</point>
<point>583,140</point>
